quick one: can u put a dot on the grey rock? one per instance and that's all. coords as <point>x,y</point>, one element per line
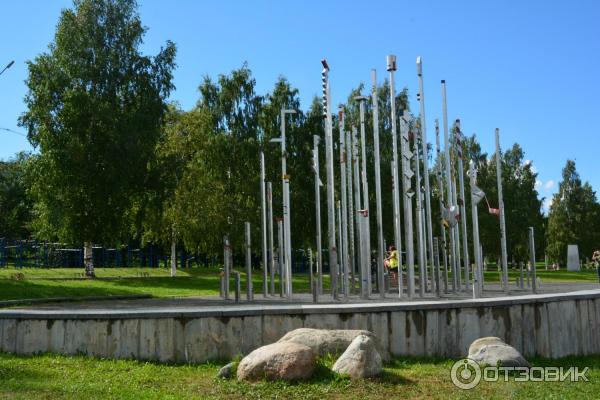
<point>329,341</point>
<point>493,351</point>
<point>278,361</point>
<point>360,360</point>
<point>225,372</point>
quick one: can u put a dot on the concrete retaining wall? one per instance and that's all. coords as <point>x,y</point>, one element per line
<point>547,325</point>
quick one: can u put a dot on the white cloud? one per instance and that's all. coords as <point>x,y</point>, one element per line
<point>538,184</point>
<point>549,185</point>
<point>546,204</point>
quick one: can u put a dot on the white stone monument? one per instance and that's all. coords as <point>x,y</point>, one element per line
<point>573,258</point>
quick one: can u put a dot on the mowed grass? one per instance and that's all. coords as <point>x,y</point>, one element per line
<point>34,283</point>
<point>585,275</point>
<point>60,377</point>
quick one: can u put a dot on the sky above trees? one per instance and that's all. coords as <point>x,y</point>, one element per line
<point>529,69</point>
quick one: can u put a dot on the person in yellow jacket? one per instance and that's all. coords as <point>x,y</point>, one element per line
<point>391,262</point>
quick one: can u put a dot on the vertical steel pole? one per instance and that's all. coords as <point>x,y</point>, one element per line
<point>271,244</point>
<point>226,264</point>
<point>365,191</point>
<point>263,204</point>
<point>391,67</point>
<point>249,289</point>
<point>341,275</point>
<point>448,172</point>
<point>501,206</point>
<point>280,257</point>
<point>380,239</point>
<point>532,262</point>
<point>350,216</point>
<point>287,240</point>
<point>333,252</point>
<point>475,219</point>
<point>428,217</point>
<point>436,263</point>
<point>463,212</point>
<point>357,201</point>
<point>420,244</point>
<point>407,175</point>
<point>318,185</point>
<point>440,185</point>
<point>344,211</point>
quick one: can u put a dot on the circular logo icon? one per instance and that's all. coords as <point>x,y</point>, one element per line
<point>465,374</point>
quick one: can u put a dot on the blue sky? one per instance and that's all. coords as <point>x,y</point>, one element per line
<point>527,67</point>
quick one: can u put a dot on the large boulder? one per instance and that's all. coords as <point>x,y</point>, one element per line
<point>493,351</point>
<point>360,360</point>
<point>329,341</point>
<point>286,361</point>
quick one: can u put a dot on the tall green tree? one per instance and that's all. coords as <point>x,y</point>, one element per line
<point>573,216</point>
<point>95,110</point>
<point>15,202</point>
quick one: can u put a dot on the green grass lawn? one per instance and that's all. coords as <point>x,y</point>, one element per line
<point>59,377</point>
<point>44,283</point>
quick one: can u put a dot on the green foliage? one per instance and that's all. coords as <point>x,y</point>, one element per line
<point>95,110</point>
<point>573,216</point>
<point>15,203</point>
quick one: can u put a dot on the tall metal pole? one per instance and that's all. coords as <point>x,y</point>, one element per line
<point>428,216</point>
<point>287,240</point>
<point>351,211</point>
<point>344,211</point>
<point>407,175</point>
<point>333,252</point>
<point>476,196</point>
<point>263,203</point>
<point>365,191</point>
<point>463,212</point>
<point>420,236</point>
<point>391,68</point>
<point>440,185</point>
<point>271,244</point>
<point>501,206</point>
<point>532,260</point>
<point>341,274</point>
<point>357,202</point>
<point>226,264</point>
<point>380,244</point>
<point>456,231</point>
<point>449,202</point>
<point>249,289</point>
<point>280,251</point>
<point>318,185</point>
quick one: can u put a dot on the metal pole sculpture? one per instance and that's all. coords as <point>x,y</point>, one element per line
<point>440,185</point>
<point>344,211</point>
<point>357,201</point>
<point>501,207</point>
<point>456,231</point>
<point>420,244</point>
<point>461,202</point>
<point>351,211</point>
<point>532,262</point>
<point>476,196</point>
<point>249,289</point>
<point>380,245</point>
<point>226,265</point>
<point>407,175</point>
<point>338,213</point>
<point>436,261</point>
<point>287,240</point>
<point>428,217</point>
<point>263,202</point>
<point>391,68</point>
<point>365,191</point>
<point>449,204</point>
<point>280,257</point>
<point>318,185</point>
<point>271,244</point>
<point>333,252</point>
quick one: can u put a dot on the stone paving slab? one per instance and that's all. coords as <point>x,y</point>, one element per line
<point>190,307</point>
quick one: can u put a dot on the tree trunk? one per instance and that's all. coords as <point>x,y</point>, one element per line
<point>173,257</point>
<point>88,259</point>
